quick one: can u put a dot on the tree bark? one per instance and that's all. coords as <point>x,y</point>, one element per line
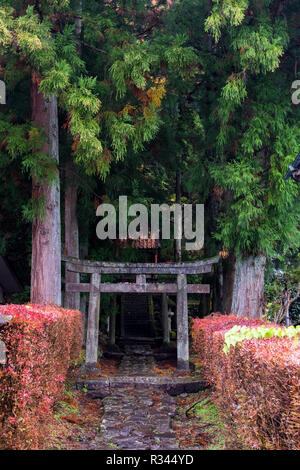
<point>78,21</point>
<point>72,299</point>
<point>228,282</point>
<point>248,289</point>
<point>46,235</point>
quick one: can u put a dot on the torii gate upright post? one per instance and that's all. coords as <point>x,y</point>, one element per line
<point>93,322</point>
<point>165,319</point>
<point>182,324</point>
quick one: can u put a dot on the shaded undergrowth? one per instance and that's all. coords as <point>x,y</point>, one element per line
<point>197,423</point>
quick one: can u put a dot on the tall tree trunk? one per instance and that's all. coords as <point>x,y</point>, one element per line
<point>46,235</point>
<point>248,289</point>
<point>78,21</point>
<point>228,282</point>
<point>72,299</point>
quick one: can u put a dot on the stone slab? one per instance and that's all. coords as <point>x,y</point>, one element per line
<point>172,385</point>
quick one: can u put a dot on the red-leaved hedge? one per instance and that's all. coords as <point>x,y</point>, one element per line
<point>42,342</point>
<point>256,386</point>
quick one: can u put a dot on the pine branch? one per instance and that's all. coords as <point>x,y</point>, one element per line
<point>93,47</point>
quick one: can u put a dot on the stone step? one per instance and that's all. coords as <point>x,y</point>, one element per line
<point>136,340</point>
<point>104,386</point>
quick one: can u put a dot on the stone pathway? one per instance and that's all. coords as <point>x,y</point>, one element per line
<point>137,360</point>
<point>137,418</point>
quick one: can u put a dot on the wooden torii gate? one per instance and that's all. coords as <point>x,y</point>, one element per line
<point>181,288</point>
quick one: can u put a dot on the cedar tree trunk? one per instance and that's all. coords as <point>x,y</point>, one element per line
<point>46,235</point>
<point>72,299</point>
<point>248,289</point>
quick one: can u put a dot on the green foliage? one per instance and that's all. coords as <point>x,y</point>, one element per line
<point>262,211</point>
<point>56,80</point>
<point>64,73</point>
<point>243,333</point>
<point>35,207</point>
<point>234,91</point>
<point>33,38</point>
<point>225,12</point>
<point>261,46</point>
<point>132,65</point>
<point>208,414</point>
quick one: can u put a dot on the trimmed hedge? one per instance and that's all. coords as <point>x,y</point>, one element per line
<point>256,385</point>
<point>42,342</point>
